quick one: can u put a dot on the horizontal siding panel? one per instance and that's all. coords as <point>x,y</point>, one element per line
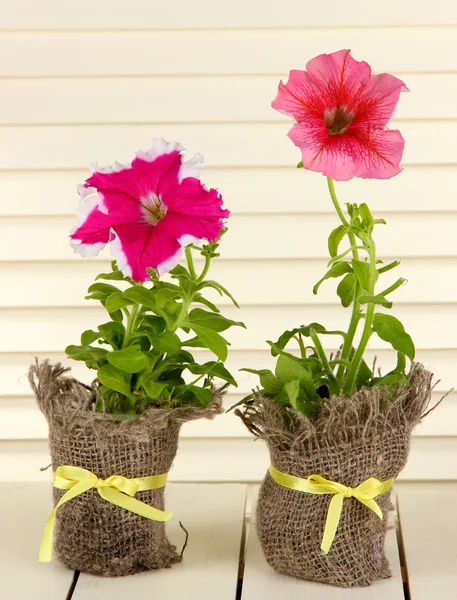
<point>166,100</point>
<point>223,145</point>
<point>265,51</point>
<point>21,419</point>
<point>28,330</point>
<point>431,458</point>
<point>261,282</point>
<point>14,367</point>
<point>276,237</point>
<point>142,14</point>
<point>251,191</point>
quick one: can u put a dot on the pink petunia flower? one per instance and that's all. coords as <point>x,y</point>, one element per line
<point>148,211</point>
<point>341,112</point>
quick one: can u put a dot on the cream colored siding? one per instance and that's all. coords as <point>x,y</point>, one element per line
<point>97,80</point>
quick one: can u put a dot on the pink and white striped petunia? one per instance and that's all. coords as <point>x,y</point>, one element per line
<point>148,210</point>
<point>341,112</point>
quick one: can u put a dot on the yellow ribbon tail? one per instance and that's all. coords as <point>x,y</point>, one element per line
<point>45,554</point>
<point>332,522</point>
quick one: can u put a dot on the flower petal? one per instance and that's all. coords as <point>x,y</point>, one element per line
<point>372,154</point>
<point>339,78</point>
<point>299,98</point>
<point>192,198</point>
<point>191,167</point>
<point>376,106</point>
<point>159,146</point>
<point>159,176</point>
<point>143,246</point>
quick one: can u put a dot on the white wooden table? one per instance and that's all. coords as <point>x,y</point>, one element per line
<point>223,560</point>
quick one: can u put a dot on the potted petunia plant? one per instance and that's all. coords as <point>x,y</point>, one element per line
<point>113,443</point>
<point>338,433</point>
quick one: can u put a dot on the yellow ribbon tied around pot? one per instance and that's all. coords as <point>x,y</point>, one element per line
<point>116,489</point>
<point>364,493</point>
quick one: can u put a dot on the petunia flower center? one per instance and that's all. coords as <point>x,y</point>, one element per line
<point>153,209</point>
<point>337,120</point>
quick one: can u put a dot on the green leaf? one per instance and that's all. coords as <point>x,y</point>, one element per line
<point>140,295</point>
<point>366,215</point>
<point>213,321</point>
<point>216,369</point>
<point>113,333</point>
<point>99,291</point>
<point>157,324</point>
<point>212,340</point>
<point>292,389</point>
<point>166,342</point>
<point>114,276</point>
<point>388,267</point>
<point>199,299</point>
<point>300,165</point>
<point>115,379</point>
<point>89,336</point>
<point>221,289</point>
<point>337,270</point>
<point>116,301</point>
<point>401,363</point>
<point>391,330</point>
<point>86,353</point>
<point>288,369</point>
<point>268,381</point>
<point>165,294</point>
<point>284,338</point>
<point>391,380</point>
<point>362,272</point>
<point>335,238</point>
<point>154,389</point>
<point>378,299</point>
<point>346,289</point>
<point>129,359</point>
<point>204,395</point>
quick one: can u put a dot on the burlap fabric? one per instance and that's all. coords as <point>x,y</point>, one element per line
<point>350,440</point>
<point>90,534</point>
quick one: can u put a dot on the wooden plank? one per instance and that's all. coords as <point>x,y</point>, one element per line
<point>214,517</point>
<point>298,275</point>
<point>223,144</point>
<point>231,459</point>
<point>20,419</point>
<point>262,582</point>
<point>111,14</point>
<point>261,51</point>
<point>277,237</point>
<point>429,531</point>
<point>14,366</point>
<point>25,508</point>
<point>166,100</point>
<point>23,329</point>
<point>250,191</point>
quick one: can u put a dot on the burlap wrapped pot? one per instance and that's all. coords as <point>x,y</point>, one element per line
<point>91,534</point>
<point>349,440</point>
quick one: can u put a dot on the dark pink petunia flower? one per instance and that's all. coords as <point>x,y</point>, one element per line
<point>148,211</point>
<point>341,112</point>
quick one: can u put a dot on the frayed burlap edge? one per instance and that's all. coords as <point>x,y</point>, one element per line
<point>340,420</point>
<point>66,402</point>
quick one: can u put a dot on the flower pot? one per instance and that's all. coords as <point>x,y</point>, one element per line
<point>91,534</point>
<point>349,441</point>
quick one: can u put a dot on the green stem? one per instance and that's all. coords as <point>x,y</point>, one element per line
<point>301,345</point>
<point>131,324</point>
<point>190,263</point>
<point>205,269</point>
<point>322,356</point>
<point>368,328</point>
<point>355,317</point>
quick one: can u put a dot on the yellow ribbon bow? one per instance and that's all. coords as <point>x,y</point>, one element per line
<point>364,493</point>
<point>116,489</point>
